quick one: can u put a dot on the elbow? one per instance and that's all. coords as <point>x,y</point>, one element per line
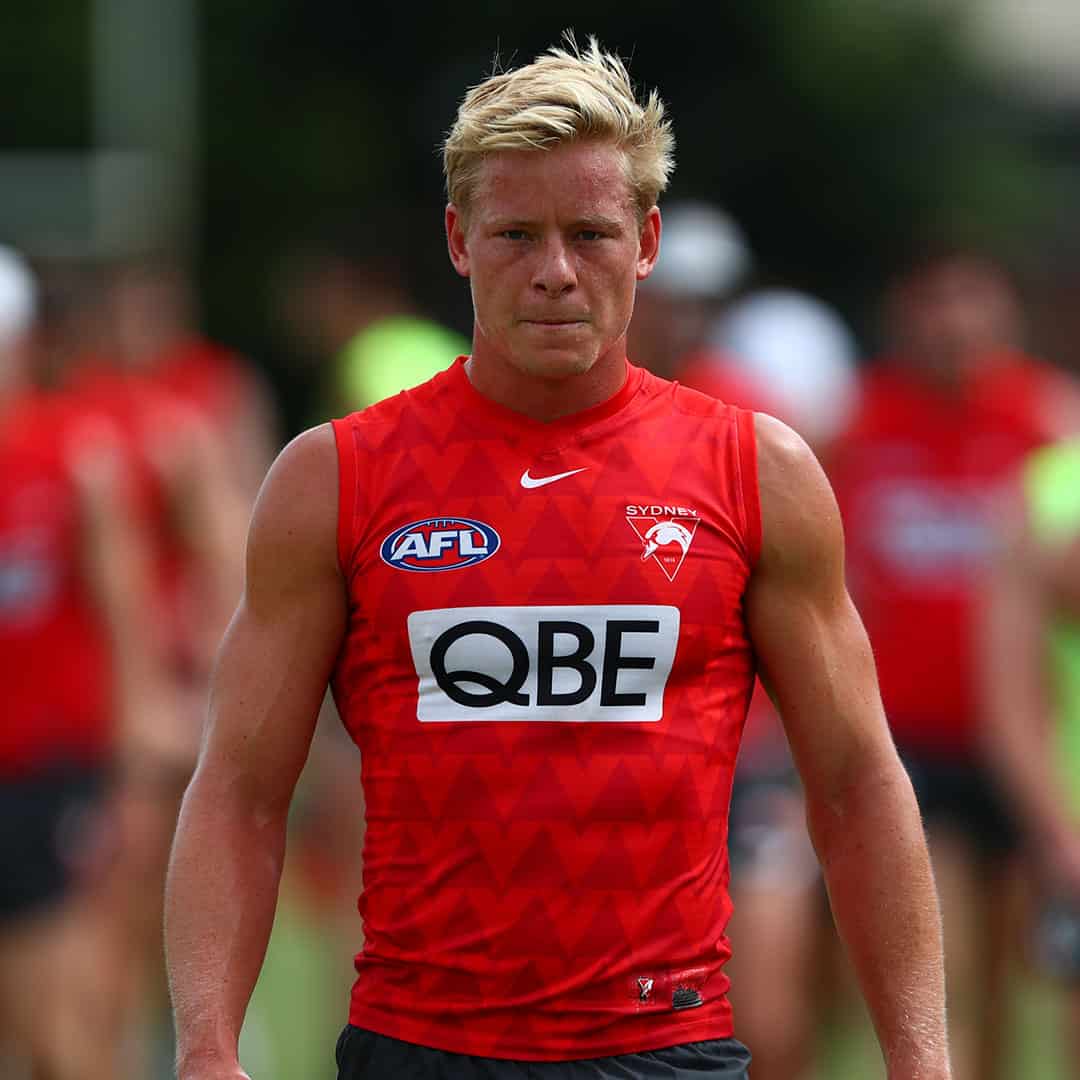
<point>873,803</point>
<point>233,800</point>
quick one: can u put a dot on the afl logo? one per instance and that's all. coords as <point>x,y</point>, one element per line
<point>439,544</point>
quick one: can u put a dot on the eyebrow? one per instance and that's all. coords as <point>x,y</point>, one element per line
<point>597,221</point>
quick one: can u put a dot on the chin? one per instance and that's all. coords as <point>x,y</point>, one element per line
<point>555,365</point>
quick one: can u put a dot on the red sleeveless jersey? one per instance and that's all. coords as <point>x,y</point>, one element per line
<point>55,661</point>
<point>918,478</point>
<point>547,673</point>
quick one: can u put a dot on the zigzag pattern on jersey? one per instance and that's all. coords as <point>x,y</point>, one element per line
<point>519,876</point>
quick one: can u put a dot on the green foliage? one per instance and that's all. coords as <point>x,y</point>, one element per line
<point>833,129</point>
<point>45,76</point>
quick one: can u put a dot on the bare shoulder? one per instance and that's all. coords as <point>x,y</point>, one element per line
<point>799,516</point>
<point>294,523</point>
<point>305,471</point>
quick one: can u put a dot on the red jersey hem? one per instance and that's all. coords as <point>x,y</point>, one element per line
<point>712,1027</point>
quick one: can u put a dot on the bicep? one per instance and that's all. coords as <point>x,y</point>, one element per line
<point>816,661</point>
<point>810,643</point>
<point>280,647</point>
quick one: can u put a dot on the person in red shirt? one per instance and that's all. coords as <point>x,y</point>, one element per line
<point>81,680</point>
<point>189,502</point>
<point>941,423</point>
<point>153,330</point>
<point>540,585</point>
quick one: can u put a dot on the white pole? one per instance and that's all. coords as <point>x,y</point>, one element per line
<point>145,94</point>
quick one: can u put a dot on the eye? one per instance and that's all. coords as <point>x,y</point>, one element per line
<point>590,234</point>
<point>514,234</point>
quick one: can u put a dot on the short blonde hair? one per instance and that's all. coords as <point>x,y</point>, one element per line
<point>564,94</point>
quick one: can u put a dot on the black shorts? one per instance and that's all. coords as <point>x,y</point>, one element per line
<point>47,825</point>
<point>1056,938</point>
<point>768,844</point>
<point>963,794</point>
<point>365,1055</point>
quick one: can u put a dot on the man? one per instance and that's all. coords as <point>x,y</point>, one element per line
<point>1031,682</point>
<point>541,583</point>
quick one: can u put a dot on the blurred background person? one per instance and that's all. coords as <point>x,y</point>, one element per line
<point>1031,683</point>
<point>84,686</point>
<point>105,332</point>
<point>704,256</point>
<point>194,508</point>
<point>800,351</point>
<point>941,422</point>
<point>153,329</point>
<point>801,355</point>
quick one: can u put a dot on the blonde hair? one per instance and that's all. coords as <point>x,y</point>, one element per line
<point>564,94</point>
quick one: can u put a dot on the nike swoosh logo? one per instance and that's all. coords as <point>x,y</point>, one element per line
<point>528,481</point>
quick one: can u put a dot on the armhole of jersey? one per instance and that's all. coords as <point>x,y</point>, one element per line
<point>346,455</point>
<point>746,449</point>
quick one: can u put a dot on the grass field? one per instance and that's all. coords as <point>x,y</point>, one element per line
<point>850,1052</point>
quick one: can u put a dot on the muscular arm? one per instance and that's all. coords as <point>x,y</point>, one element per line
<point>267,687</point>
<point>861,811</point>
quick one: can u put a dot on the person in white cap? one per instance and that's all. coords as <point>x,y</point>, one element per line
<point>800,350</point>
<point>18,296</point>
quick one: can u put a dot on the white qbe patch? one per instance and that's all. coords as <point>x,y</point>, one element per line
<point>594,663</point>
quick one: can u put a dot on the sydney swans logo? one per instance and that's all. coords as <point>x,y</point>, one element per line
<point>665,532</point>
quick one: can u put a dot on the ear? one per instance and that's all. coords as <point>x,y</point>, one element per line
<point>455,240</point>
<point>648,244</point>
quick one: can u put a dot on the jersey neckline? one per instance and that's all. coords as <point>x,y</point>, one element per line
<point>522,426</point>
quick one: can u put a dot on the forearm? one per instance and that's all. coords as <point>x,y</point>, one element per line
<point>871,845</point>
<point>220,899</point>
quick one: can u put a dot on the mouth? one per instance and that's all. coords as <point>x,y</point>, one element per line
<point>554,324</point>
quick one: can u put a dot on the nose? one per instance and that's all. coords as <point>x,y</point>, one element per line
<point>554,273</point>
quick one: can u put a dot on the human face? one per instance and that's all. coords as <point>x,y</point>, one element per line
<point>951,316</point>
<point>553,250</point>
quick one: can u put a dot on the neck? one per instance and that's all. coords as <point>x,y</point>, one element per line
<point>546,398</point>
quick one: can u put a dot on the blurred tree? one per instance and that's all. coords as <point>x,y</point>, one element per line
<point>831,129</point>
<point>45,75</point>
